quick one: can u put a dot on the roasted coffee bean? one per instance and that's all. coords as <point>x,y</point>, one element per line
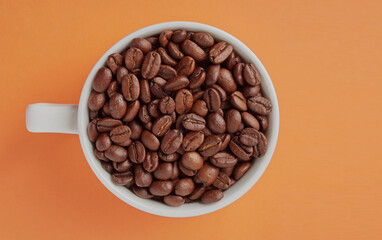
<point>145,93</point>
<point>241,169</point>
<point>96,101</point>
<point>108,166</point>
<point>197,77</point>
<point>167,105</point>
<point>92,130</point>
<point>185,66</point>
<point>106,110</point>
<point>102,79</point>
<point>151,162</point>
<point>142,178</point>
<point>192,141</point>
<point>114,61</point>
<point>103,142</point>
<point>172,157</point>
<point>161,187</point>
<point>176,83</point>
<point>211,196</point>
<point>143,114</point>
<point>212,99</point>
<point>187,171</point>
<point>153,108</point>
<point>142,192</point>
<point>166,72</point>
<point>132,111</point>
<point>116,153</point>
<point>237,72</point>
<point>251,91</point>
<point>142,44</point>
<point>125,143</point>
<point>113,88</point>
<point>120,134</point>
<point>200,108</point>
<point>166,59</point>
<point>222,181</point>
<point>184,187</point>
<point>179,36</point>
<point>207,132</point>
<point>226,81</point>
<point>175,171</point>
<point>173,117</point>
<point>150,140</point>
<point>164,171</point>
<point>223,160</point>
<point>261,148</point>
<point>192,161</point>
<point>216,123</point>
<point>154,41</point>
<point>193,122</point>
<point>220,112</point>
<point>174,51</point>
<point>207,174</point>
<point>203,39</point>
<point>210,146</point>
<point>179,123</point>
<point>161,125</point>
<point>133,59</point>
<point>228,170</point>
<point>173,201</point>
<point>231,61</point>
<point>151,65</point>
<point>263,120</point>
<point>122,166</point>
<point>197,193</point>
<point>130,87</point>
<point>137,152</point>
<point>220,52</point>
<point>192,49</point>
<point>222,93</point>
<point>107,124</point>
<point>136,129</point>
<point>93,114</point>
<point>121,72</point>
<point>165,37</point>
<point>183,101</point>
<point>123,178</point>
<point>226,138</point>
<point>240,150</point>
<point>117,106</point>
<point>238,101</point>
<point>212,74</point>
<point>226,105</point>
<point>259,105</point>
<point>251,74</point>
<point>157,87</point>
<point>250,120</point>
<point>233,120</point>
<point>171,141</point>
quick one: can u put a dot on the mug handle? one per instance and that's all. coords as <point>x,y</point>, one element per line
<point>52,118</point>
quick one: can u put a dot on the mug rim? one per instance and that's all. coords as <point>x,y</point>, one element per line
<point>186,210</point>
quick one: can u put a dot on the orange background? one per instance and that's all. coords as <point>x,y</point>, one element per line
<point>324,181</point>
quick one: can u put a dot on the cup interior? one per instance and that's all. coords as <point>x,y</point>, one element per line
<point>190,209</point>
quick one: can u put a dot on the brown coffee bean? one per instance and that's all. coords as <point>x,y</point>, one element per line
<point>220,112</point>
<point>231,61</point>
<point>143,114</point>
<point>238,101</point>
<point>233,120</point>
<point>228,170</point>
<point>164,171</point>
<point>93,114</point>
<point>133,59</point>
<point>157,87</point>
<point>192,141</point>
<point>161,125</point>
<point>210,146</point>
<point>142,44</point>
<point>142,178</point>
<point>241,169</point>
<point>136,129</point>
<point>122,166</point>
<point>172,157</point>
<point>106,110</point>
<point>174,51</point>
<point>103,142</point>
<point>226,105</point>
<point>212,74</point>
<point>121,72</point>
<point>154,41</point>
<point>142,192</point>
<point>92,130</point>
<point>192,49</point>
<point>223,160</point>
<point>222,181</point>
<point>259,105</point>
<point>212,99</point>
<point>203,39</point>
<point>167,105</point>
<point>175,171</point>
<point>107,124</point>
<point>151,65</point>
<point>207,174</point>
<point>171,141</point>
<point>261,148</point>
<point>216,123</point>
<point>192,161</point>
<point>193,122</point>
<point>116,153</point>
<point>130,87</point>
<point>151,162</point>
<point>197,193</point>
<point>96,101</point>
<point>179,36</point>
<point>108,166</point>
<point>161,188</point>
<point>176,83</point>
<point>237,72</point>
<point>165,37</point>
<point>112,89</point>
<point>153,108</point>
<point>132,111</point>
<point>123,178</point>
<point>251,91</point>
<point>226,81</point>
<point>145,94</point>
<point>222,93</point>
<point>240,150</point>
<point>120,134</point>
<point>137,152</point>
<point>200,108</point>
<point>184,187</point>
<point>185,66</point>
<point>183,101</point>
<point>114,61</point>
<point>197,77</point>
<point>166,72</point>
<point>174,201</point>
<point>150,140</point>
<point>118,106</point>
<point>250,120</point>
<point>220,52</point>
<point>125,143</point>
<point>166,59</point>
<point>226,138</point>
<point>102,79</point>
<point>251,74</point>
<point>187,171</point>
<point>263,120</point>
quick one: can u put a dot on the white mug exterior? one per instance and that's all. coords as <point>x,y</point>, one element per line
<point>147,205</point>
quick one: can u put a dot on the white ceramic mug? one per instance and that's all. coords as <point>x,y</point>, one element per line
<point>64,118</point>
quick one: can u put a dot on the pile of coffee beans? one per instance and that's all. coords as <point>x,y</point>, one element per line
<point>178,117</point>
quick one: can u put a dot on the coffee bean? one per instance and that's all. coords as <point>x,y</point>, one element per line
<point>220,52</point>
<point>132,111</point>
<point>164,171</point>
<point>207,174</point>
<point>154,41</point>
<point>226,81</point>
<point>200,108</point>
<point>187,171</point>
<point>203,39</point>
<point>116,153</point>
<point>161,187</point>
<point>251,91</point>
<point>157,87</point>
<point>222,93</point>
<point>130,87</point>
<point>151,162</point>
<point>137,152</point>
<point>184,187</point>
<point>185,66</point>
<point>114,61</point>
<point>251,74</point>
<point>117,106</point>
<point>121,72</point>
<point>171,141</point>
<point>133,59</point>
<point>143,114</point>
<point>228,170</point>
<point>92,130</point>
<point>176,83</point>
<point>238,101</point>
<point>233,120</point>
<point>161,125</point>
<point>142,44</point>
<point>237,72</point>
<point>123,178</point>
<point>222,181</point>
<point>249,137</point>
<point>197,193</point>
<point>263,120</point>
<point>212,99</point>
<point>241,169</point>
<point>212,74</point>
<point>142,178</point>
<point>183,101</point>
<point>113,88</point>
<point>250,120</point>
<point>179,36</point>
<point>151,65</point>
<point>174,51</point>
<point>167,105</point>
<point>231,61</point>
<point>192,141</point>
<point>93,114</point>
<point>103,142</point>
<point>102,79</point>
<point>173,201</point>
<point>145,93</point>
<point>193,122</point>
<point>216,123</point>
<point>172,157</point>
<point>223,160</point>
<point>122,166</point>
<point>108,166</point>
<point>192,161</point>
<point>210,146</point>
<point>197,77</point>
<point>166,72</point>
<point>120,134</point>
<point>166,58</point>
<point>240,150</point>
<point>136,129</point>
<point>190,48</point>
<point>153,108</point>
<point>96,101</point>
<point>226,138</point>
<point>261,148</point>
<point>175,171</point>
<point>125,143</point>
<point>259,105</point>
<point>142,192</point>
<point>165,37</point>
<point>107,124</point>
<point>150,140</point>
